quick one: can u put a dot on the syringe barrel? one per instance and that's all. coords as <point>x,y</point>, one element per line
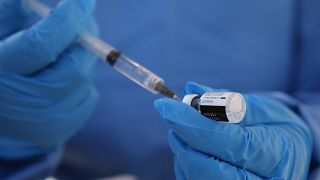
<point>132,70</point>
<point>124,65</point>
<point>95,45</point>
<point>137,73</point>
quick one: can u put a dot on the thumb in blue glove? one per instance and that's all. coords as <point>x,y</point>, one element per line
<point>271,142</point>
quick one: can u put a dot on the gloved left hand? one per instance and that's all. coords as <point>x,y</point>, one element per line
<point>271,142</point>
<point>46,79</point>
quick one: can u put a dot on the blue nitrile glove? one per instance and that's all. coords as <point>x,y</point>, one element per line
<point>271,141</point>
<point>46,90</point>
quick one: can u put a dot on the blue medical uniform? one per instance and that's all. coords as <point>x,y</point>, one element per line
<point>264,46</point>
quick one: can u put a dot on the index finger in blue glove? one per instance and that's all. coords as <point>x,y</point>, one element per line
<point>12,17</point>
<point>46,40</point>
<point>196,165</point>
<point>244,147</point>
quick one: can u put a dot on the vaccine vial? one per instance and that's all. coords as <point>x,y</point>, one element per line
<point>226,107</point>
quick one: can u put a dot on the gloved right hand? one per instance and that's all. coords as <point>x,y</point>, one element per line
<point>46,90</point>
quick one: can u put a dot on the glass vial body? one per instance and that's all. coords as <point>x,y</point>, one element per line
<point>226,107</point>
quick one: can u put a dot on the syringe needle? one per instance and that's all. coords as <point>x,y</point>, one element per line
<point>129,68</point>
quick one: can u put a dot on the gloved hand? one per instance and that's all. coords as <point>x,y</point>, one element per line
<point>271,141</point>
<point>46,90</point>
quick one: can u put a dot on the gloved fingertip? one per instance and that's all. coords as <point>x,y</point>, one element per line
<point>190,86</point>
<point>195,88</point>
<point>158,104</point>
<point>192,83</point>
<point>162,105</point>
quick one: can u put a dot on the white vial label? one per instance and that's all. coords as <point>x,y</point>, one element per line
<point>213,105</point>
<point>221,106</point>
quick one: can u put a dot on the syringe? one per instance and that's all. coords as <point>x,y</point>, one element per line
<point>132,70</point>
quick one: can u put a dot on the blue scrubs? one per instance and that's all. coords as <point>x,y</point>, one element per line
<point>263,46</point>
